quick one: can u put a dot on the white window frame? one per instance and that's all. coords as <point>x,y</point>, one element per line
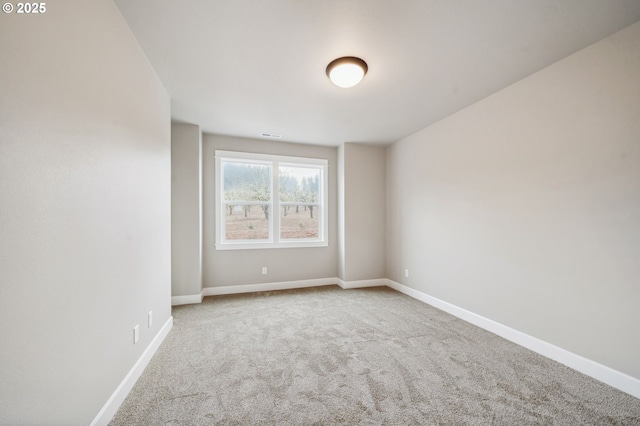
<point>274,218</point>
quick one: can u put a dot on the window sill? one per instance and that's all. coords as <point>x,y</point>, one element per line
<point>269,245</point>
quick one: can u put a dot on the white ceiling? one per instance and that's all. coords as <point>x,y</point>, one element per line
<point>243,67</point>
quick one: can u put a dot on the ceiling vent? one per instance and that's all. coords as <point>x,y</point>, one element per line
<point>270,135</point>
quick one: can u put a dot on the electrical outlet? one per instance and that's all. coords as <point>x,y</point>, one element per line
<point>136,334</point>
<point>406,273</point>
<point>264,270</point>
<point>150,319</point>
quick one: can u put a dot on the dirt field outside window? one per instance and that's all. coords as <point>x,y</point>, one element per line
<point>254,226</point>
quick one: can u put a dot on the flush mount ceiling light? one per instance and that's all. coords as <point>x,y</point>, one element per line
<point>346,71</point>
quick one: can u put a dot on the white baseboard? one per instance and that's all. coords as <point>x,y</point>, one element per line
<point>285,285</point>
<point>362,283</point>
<point>600,372</point>
<point>117,398</point>
<point>186,300</point>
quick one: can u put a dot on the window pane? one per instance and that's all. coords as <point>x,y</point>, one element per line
<point>299,197</point>
<point>299,184</point>
<point>247,222</point>
<point>246,181</point>
<point>299,221</point>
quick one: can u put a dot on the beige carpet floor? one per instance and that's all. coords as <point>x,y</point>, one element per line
<point>329,356</point>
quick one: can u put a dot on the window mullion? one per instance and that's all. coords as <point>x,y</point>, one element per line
<point>275,198</point>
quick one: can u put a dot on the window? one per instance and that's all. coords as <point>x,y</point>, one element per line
<point>270,201</point>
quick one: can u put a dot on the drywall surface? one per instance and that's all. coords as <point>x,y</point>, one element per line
<point>341,215</point>
<point>525,207</point>
<point>85,210</point>
<point>364,212</point>
<point>186,209</point>
<point>237,267</point>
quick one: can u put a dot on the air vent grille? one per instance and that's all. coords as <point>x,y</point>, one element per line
<point>270,135</point>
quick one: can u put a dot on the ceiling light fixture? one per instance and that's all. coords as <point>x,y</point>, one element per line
<point>346,71</point>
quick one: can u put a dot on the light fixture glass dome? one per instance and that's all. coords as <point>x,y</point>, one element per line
<point>346,71</point>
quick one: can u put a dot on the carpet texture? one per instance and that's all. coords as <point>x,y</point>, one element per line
<point>365,356</point>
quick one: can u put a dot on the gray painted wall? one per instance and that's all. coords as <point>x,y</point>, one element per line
<point>341,215</point>
<point>237,267</point>
<point>85,210</point>
<point>363,212</point>
<point>525,207</point>
<point>186,209</point>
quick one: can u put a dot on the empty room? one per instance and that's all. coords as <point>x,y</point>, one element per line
<point>248,212</point>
